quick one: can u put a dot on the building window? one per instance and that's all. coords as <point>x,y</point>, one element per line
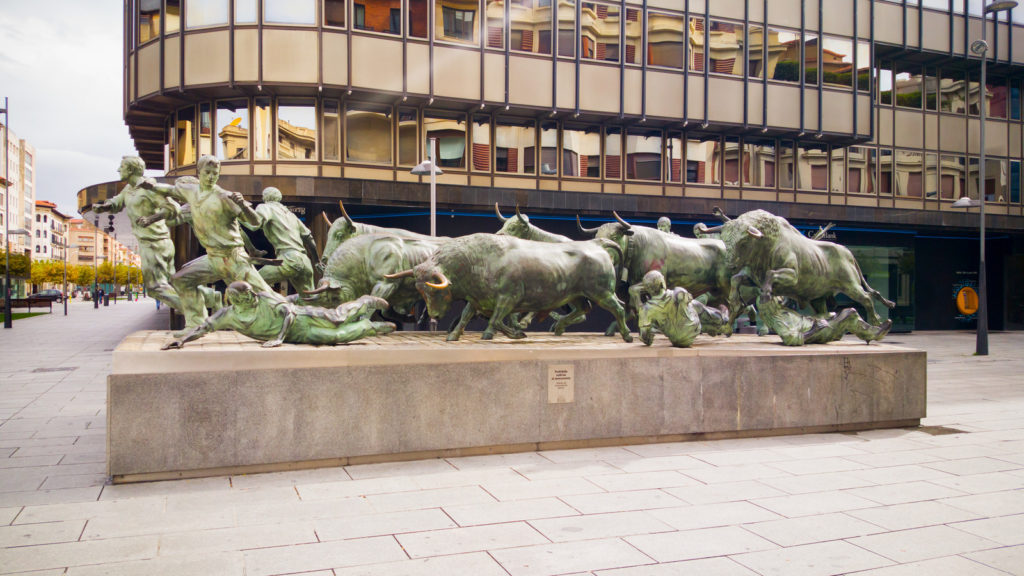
<point>246,12</point>
<point>549,149</point>
<point>407,137</point>
<point>205,129</point>
<point>665,40</point>
<point>758,163</point>
<point>331,128</point>
<point>149,20</point>
<point>531,28</point>
<point>233,129</point>
<point>458,24</point>
<point>203,13</point>
<point>908,86</point>
<point>262,128</point>
<point>697,43</point>
<point>289,11</point>
<point>910,171</point>
<point>755,55</point>
<point>674,154</point>
<point>495,11</point>
<point>359,16</point>
<point>296,129</point>
<point>481,143</point>
<point>1015,181</point>
<point>725,40</point>
<point>783,55</point>
<point>599,32</point>
<point>450,131</point>
<point>185,130</point>
<point>837,61</point>
<point>513,142</point>
<point>581,152</point>
<point>567,28</point>
<point>419,17</point>
<point>613,153</point>
<point>787,175</point>
<point>334,13</point>
<point>172,16</point>
<point>643,155</point>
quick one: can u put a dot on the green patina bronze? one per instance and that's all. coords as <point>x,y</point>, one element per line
<point>674,313</point>
<point>292,241</point>
<point>268,317</point>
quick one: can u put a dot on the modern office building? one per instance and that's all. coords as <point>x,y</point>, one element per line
<point>861,113</point>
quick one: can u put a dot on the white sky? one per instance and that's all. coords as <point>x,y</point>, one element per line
<point>60,67</point>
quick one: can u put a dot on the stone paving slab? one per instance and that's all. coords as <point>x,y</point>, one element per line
<point>943,499</point>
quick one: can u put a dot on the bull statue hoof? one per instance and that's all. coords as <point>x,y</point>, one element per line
<point>487,336</point>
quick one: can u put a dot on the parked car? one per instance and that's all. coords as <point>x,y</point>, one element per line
<point>51,294</point>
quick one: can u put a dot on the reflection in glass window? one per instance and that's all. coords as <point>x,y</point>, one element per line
<point>931,86</point>
<point>700,159</point>
<point>233,129</point>
<point>331,131</point>
<point>759,163</point>
<point>149,20</point>
<point>246,12</point>
<point>567,28</point>
<point>643,155</point>
<point>697,44</point>
<point>674,151</point>
<point>199,13</point>
<point>995,180</point>
<point>407,139</point>
<point>172,16</point>
<point>951,170</point>
<point>205,129</point>
<point>783,55</point>
<point>725,40</point>
<point>910,172</point>
<point>884,72</point>
<point>368,133</point>
<point>450,132</point>
<point>613,153</point>
<point>262,128</point>
<point>418,15</point>
<point>909,88</point>
<point>860,170</point>
<point>885,171</point>
<point>810,58</point>
<point>334,13</point>
<point>549,149</point>
<point>170,155</point>
<point>1015,181</point>
<point>457,20</point>
<point>972,178</point>
<point>951,92</point>
<point>289,11</point>
<point>634,36</point>
<point>812,167</point>
<point>996,96</point>
<point>581,152</point>
<point>755,65</point>
<point>515,147</point>
<point>495,11</point>
<point>732,159</point>
<point>787,177</point>
<point>931,176</point>
<point>599,32</point>
<point>973,93</point>
<point>837,61</point>
<point>837,171</point>
<point>378,16</point>
<point>665,40</point>
<point>185,130</point>
<point>482,143</point>
<point>1015,99</point>
<point>296,129</point>
<point>531,27</point>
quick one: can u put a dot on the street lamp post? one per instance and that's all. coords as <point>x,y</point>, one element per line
<point>96,262</point>
<point>428,167</point>
<point>113,252</point>
<point>980,47</point>
<point>66,248</point>
<point>8,319</point>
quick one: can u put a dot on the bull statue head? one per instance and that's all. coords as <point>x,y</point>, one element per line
<point>518,225</point>
<point>432,284</point>
<point>339,231</point>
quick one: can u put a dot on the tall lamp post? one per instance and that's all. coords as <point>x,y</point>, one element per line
<point>66,248</point>
<point>428,167</point>
<point>980,48</point>
<point>96,261</point>
<point>8,318</point>
<point>113,252</point>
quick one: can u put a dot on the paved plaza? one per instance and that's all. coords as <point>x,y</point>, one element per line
<point>944,499</point>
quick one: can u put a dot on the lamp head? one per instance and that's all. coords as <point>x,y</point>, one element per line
<point>1000,6</point>
<point>423,169</point>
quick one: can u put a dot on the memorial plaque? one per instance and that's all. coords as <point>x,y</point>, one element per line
<point>561,385</point>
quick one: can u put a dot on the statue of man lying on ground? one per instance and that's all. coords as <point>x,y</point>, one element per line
<point>269,317</point>
<point>795,329</point>
<point>675,313</point>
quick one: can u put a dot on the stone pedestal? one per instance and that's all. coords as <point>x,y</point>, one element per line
<point>224,405</point>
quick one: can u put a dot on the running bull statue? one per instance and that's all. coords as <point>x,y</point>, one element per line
<point>520,227</point>
<point>344,229</point>
<point>501,275</point>
<point>808,271</point>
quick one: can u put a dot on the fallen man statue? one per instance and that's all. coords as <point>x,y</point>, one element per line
<point>675,313</point>
<point>268,317</point>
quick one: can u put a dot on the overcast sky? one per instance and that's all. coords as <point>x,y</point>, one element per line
<point>60,67</point>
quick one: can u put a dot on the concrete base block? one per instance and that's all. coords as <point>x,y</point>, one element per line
<point>224,405</point>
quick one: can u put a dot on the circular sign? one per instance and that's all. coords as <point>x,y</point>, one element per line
<point>967,300</point>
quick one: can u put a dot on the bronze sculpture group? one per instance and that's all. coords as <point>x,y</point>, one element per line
<point>674,285</point>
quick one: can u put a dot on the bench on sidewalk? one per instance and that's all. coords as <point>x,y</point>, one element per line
<point>29,303</point>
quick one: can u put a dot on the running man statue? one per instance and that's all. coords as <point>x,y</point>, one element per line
<point>292,241</point>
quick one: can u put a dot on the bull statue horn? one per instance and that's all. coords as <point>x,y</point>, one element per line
<point>621,221</point>
<point>345,214</point>
<point>319,290</point>
<point>397,275</point>
<point>721,215</point>
<point>705,230</point>
<point>326,219</point>
<point>498,212</point>
<point>520,216</point>
<point>579,225</point>
<point>443,281</point>
<point>754,232</point>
